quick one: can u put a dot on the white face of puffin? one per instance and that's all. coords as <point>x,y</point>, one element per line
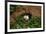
<point>26,17</point>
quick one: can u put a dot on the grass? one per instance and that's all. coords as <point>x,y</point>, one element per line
<point>34,22</point>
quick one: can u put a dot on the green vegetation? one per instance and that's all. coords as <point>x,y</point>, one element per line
<point>34,22</point>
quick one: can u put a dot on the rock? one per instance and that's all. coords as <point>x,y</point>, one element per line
<point>26,17</point>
